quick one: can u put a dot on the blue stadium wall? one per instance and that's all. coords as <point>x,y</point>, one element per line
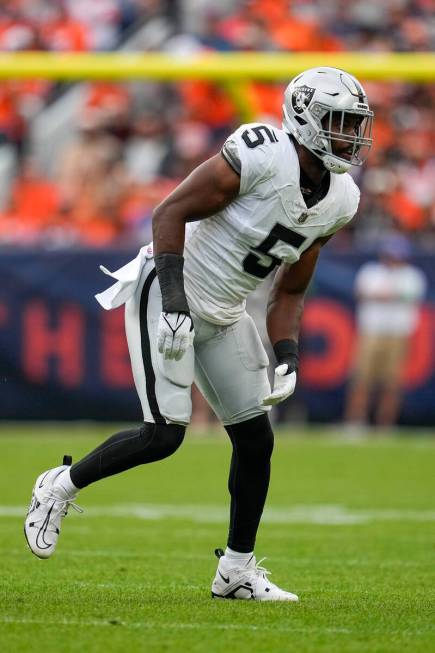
<point>62,357</point>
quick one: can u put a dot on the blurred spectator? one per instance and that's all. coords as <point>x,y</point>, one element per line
<point>107,106</point>
<point>17,30</point>
<point>389,293</point>
<point>92,182</point>
<point>101,18</point>
<point>33,206</point>
<point>61,32</point>
<point>190,146</point>
<point>138,207</point>
<point>211,35</point>
<point>147,146</point>
<point>12,123</point>
<point>209,104</point>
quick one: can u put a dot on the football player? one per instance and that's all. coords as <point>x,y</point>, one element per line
<point>270,199</point>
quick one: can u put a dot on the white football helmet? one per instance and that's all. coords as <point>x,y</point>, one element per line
<point>318,101</point>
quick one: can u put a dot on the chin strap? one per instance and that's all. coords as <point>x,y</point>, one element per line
<point>336,165</point>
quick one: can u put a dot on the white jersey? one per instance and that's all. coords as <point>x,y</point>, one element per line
<point>230,253</point>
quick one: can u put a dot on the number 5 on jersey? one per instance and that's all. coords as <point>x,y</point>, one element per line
<point>252,262</point>
<point>259,132</point>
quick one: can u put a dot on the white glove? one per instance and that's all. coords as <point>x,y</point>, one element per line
<point>174,334</point>
<point>283,386</point>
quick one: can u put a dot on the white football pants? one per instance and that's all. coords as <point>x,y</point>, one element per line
<point>228,363</point>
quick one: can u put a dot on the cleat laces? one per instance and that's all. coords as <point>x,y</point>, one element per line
<point>261,572</point>
<point>60,506</point>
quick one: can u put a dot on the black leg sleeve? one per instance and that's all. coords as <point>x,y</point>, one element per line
<point>127,449</point>
<point>248,482</point>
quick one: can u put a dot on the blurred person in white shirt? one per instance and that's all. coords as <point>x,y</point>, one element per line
<point>389,293</point>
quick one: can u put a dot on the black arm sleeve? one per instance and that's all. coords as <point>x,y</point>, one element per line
<point>169,268</point>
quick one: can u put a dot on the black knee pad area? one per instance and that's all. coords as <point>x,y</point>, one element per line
<point>162,439</point>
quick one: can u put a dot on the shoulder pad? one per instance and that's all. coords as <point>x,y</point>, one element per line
<point>255,147</point>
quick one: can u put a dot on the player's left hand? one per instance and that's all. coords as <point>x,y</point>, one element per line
<point>174,334</point>
<point>283,386</point>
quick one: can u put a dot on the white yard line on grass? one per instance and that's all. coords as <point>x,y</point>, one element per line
<point>298,514</point>
<point>171,626</point>
<point>155,626</point>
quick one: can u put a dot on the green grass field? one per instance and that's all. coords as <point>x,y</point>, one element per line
<point>350,527</point>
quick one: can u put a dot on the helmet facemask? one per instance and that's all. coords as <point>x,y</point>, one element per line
<point>325,110</point>
<point>334,134</point>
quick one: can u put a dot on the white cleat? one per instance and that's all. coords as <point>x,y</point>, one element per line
<point>47,508</point>
<point>247,582</point>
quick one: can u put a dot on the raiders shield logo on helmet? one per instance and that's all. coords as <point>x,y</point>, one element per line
<point>301,98</point>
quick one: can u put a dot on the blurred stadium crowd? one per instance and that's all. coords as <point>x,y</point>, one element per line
<point>95,179</point>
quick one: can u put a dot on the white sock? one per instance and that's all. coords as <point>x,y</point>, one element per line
<point>236,557</point>
<point>65,486</point>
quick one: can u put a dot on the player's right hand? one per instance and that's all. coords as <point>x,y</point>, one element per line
<point>174,334</point>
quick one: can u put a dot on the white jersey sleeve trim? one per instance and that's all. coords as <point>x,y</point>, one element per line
<point>230,152</point>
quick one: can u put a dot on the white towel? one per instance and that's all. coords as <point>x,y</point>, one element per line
<point>127,279</point>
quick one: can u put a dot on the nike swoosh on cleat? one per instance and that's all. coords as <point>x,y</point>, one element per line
<point>226,580</point>
<point>42,532</point>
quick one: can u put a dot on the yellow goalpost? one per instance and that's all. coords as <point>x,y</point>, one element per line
<point>412,67</point>
<point>232,70</point>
